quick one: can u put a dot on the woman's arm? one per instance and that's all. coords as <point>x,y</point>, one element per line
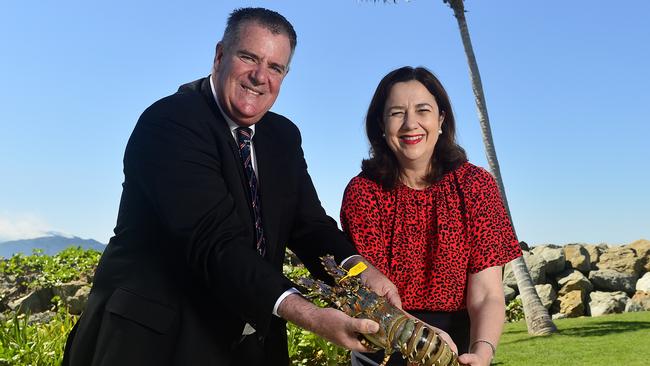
<point>486,307</point>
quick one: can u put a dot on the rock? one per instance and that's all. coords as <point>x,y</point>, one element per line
<point>546,294</point>
<point>41,318</point>
<point>6,284</point>
<point>557,316</point>
<point>607,302</point>
<point>74,295</point>
<point>554,257</point>
<point>632,307</point>
<point>642,249</point>
<point>68,289</point>
<point>641,299</point>
<point>536,269</point>
<point>542,247</point>
<point>571,280</point>
<point>509,293</point>
<point>643,284</point>
<point>608,279</point>
<point>570,304</point>
<point>524,246</point>
<point>577,257</point>
<point>77,303</point>
<point>594,254</point>
<point>34,302</point>
<point>7,293</point>
<point>620,259</point>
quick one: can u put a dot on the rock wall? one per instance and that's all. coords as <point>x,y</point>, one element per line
<point>582,279</point>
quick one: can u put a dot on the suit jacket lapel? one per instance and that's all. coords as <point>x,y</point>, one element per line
<point>223,130</point>
<point>240,192</point>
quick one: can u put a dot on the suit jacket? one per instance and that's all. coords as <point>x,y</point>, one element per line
<point>181,276</point>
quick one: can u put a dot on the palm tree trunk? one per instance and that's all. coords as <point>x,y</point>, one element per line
<point>538,319</point>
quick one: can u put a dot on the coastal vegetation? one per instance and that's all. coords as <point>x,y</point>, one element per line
<point>37,338</point>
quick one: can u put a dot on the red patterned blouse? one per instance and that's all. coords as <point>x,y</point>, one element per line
<point>428,241</point>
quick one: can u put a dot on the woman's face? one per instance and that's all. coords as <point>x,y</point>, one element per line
<point>411,124</point>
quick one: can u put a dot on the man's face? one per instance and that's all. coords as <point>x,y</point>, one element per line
<point>248,74</point>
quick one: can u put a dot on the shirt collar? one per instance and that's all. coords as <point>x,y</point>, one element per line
<point>233,126</point>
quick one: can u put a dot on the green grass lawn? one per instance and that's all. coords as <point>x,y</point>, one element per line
<point>612,340</point>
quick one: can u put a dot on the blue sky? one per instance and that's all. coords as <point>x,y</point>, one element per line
<point>566,85</point>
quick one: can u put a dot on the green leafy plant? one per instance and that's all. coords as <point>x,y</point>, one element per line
<point>514,311</point>
<point>306,348</point>
<point>39,270</point>
<point>24,341</point>
<point>35,344</point>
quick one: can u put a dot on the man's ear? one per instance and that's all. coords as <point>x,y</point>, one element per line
<point>218,55</point>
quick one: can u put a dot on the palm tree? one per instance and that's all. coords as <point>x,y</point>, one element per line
<point>538,319</point>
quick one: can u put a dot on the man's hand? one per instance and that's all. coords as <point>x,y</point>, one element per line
<point>376,281</point>
<point>331,324</point>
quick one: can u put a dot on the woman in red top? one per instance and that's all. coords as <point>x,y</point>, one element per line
<point>428,219</point>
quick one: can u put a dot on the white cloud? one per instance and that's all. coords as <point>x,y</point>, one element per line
<point>24,226</point>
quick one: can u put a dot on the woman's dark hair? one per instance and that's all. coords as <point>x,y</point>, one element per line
<point>382,166</point>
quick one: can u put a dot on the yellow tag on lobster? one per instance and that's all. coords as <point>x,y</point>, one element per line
<point>355,271</point>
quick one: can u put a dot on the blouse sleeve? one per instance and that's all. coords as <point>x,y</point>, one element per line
<point>493,242</point>
<point>361,221</point>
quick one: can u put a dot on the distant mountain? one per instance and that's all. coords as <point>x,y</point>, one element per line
<point>49,244</point>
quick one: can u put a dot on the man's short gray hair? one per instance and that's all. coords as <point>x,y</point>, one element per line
<point>268,19</point>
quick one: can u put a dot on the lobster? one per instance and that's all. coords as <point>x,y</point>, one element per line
<point>398,331</point>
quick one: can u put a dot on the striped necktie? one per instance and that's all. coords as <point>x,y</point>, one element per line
<point>244,135</point>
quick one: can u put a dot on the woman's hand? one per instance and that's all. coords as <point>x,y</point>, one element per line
<point>474,359</point>
<point>376,281</point>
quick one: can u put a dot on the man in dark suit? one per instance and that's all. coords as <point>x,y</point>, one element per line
<point>215,188</point>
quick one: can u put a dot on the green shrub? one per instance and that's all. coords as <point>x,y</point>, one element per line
<point>42,344</point>
<point>39,270</point>
<point>23,342</point>
<point>306,348</point>
<point>37,344</point>
<point>514,311</point>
